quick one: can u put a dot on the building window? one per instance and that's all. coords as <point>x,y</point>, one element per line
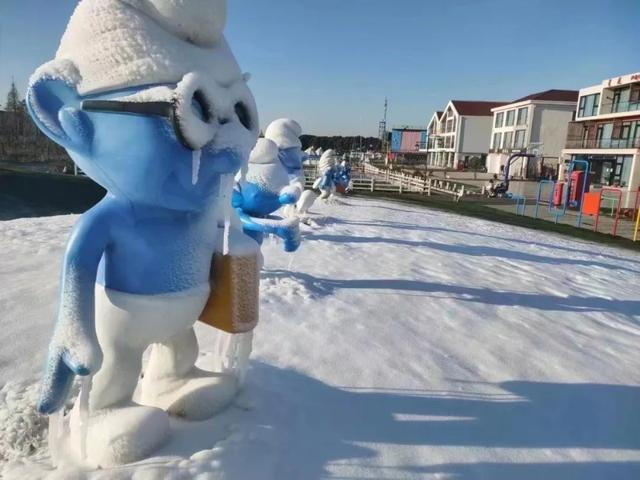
<point>611,170</point>
<point>588,106</point>
<point>508,140</point>
<point>510,118</point>
<point>497,139</point>
<point>581,106</point>
<point>523,113</point>
<point>499,120</point>
<point>635,137</point>
<point>620,100</point>
<point>585,136</point>
<point>518,140</point>
<point>620,137</point>
<point>634,98</point>
<point>605,135</point>
<point>595,105</point>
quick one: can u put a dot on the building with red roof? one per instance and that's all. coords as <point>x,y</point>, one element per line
<point>459,134</point>
<point>534,124</point>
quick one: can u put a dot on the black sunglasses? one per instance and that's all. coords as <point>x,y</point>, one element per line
<point>171,110</point>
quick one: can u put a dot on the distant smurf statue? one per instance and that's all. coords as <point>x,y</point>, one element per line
<point>262,190</point>
<point>149,101</point>
<point>342,177</point>
<point>334,176</point>
<point>285,133</point>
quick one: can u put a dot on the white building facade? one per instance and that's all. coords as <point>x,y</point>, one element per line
<point>535,124</point>
<point>606,133</point>
<point>459,135</point>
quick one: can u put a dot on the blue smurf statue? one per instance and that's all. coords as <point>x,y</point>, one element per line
<point>149,101</point>
<point>342,176</point>
<point>261,191</point>
<point>327,168</point>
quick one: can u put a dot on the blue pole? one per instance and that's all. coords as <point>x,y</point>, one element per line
<point>539,195</point>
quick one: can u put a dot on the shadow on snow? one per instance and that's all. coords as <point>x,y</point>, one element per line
<point>324,423</point>
<point>322,287</point>
<point>470,250</point>
<point>419,228</point>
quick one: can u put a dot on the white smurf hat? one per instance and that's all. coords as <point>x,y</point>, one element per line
<point>265,152</point>
<point>265,168</point>
<point>114,44</point>
<point>285,133</point>
<point>327,161</point>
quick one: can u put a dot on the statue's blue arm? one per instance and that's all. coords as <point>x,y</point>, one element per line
<point>74,349</point>
<point>288,230</point>
<point>288,197</point>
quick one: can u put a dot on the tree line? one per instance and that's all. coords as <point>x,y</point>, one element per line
<point>341,144</point>
<point>22,143</point>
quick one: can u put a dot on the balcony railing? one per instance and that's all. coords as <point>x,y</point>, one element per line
<point>609,108</point>
<point>604,143</point>
<point>619,107</point>
<point>508,150</point>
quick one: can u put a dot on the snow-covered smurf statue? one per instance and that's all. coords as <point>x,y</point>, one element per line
<point>149,101</point>
<point>261,191</point>
<point>285,133</point>
<point>327,168</point>
<point>342,177</point>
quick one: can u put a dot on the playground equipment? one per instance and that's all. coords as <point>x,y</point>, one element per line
<point>594,205</point>
<point>570,198</point>
<point>618,201</point>
<point>521,204</point>
<point>637,212</point>
<point>502,190</point>
<point>509,164</point>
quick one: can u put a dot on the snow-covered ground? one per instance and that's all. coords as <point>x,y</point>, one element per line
<point>398,343</point>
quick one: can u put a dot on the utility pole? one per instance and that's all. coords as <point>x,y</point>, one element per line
<point>382,130</point>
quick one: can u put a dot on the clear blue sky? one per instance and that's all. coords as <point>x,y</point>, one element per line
<point>330,63</point>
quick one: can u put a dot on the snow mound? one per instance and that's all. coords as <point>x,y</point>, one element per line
<point>22,430</point>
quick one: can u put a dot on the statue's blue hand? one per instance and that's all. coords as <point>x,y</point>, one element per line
<point>67,358</point>
<point>290,234</point>
<point>288,198</point>
<point>237,199</point>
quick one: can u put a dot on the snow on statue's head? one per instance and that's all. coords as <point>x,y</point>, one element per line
<point>265,168</point>
<point>285,133</point>
<point>327,161</point>
<point>148,99</point>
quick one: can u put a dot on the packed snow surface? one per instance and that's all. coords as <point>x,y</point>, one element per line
<point>398,343</point>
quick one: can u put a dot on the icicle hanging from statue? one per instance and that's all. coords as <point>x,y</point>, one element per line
<point>233,307</point>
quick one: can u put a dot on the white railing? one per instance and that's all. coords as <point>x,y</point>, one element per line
<point>372,179</point>
<point>403,183</point>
